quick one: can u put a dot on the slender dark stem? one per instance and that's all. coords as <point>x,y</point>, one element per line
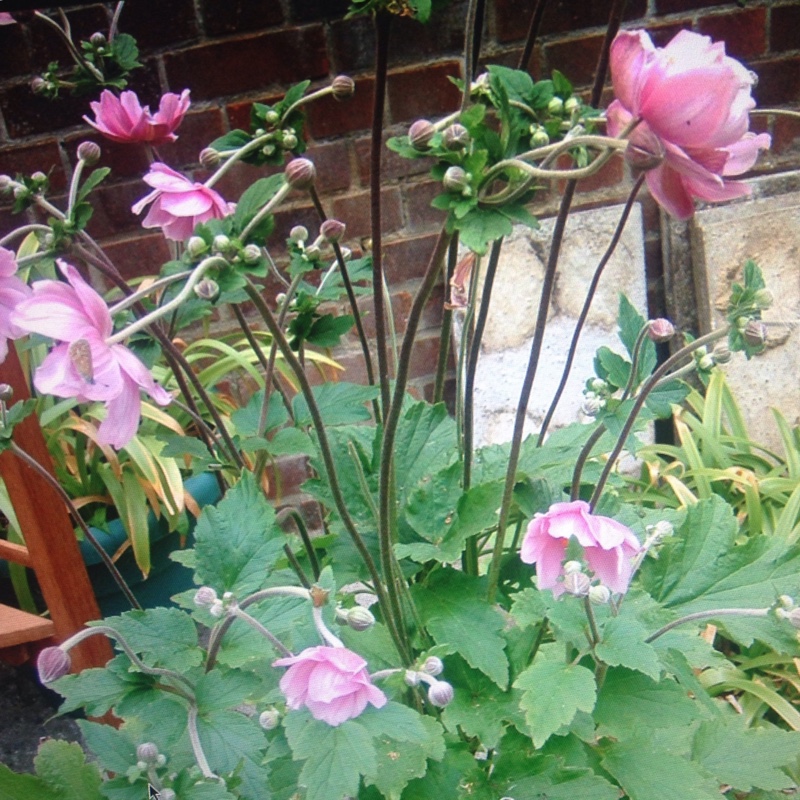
<point>330,466</point>
<point>472,360</point>
<point>573,347</point>
<point>351,298</point>
<point>533,33</point>
<point>295,565</point>
<point>382,28</point>
<point>292,513</point>
<point>614,21</point>
<point>583,456</point>
<point>75,514</point>
<point>538,641</point>
<point>447,324</point>
<point>587,607</point>
<point>638,403</point>
<point>637,355</point>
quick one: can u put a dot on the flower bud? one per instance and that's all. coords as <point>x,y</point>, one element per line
<point>763,298</point>
<point>89,153</point>
<point>599,594</point>
<point>572,566</point>
<point>5,183</point>
<point>289,141</point>
<point>280,298</point>
<point>332,230</point>
<point>793,616</point>
<point>147,752</point>
<point>38,85</point>
<point>206,289</point>
<point>38,177</point>
<point>755,333</point>
<point>271,118</point>
<point>722,353</point>
<point>645,151</point>
<point>571,105</point>
<point>209,157</point>
<point>217,609</point>
<point>298,234</point>
<point>440,694</point>
<point>21,192</point>
<point>555,106</point>
<point>592,405</point>
<point>269,719</point>
<point>360,619</point>
<point>53,663</point>
<point>167,794</point>
<point>221,243</point>
<point>300,173</point>
<point>312,252</point>
<point>456,180</point>
<point>577,584</point>
<point>251,254</point>
<point>660,330</point>
<point>420,133</point>
<point>196,246</point>
<point>539,136</point>
<point>411,678</point>
<point>599,385</point>
<point>343,87</point>
<point>6,392</point>
<point>433,666</point>
<point>205,596</point>
<point>98,39</point>
<point>786,601</point>
<point>705,362</point>
<point>456,137</point>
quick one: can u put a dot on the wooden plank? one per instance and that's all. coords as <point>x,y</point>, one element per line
<point>47,528</point>
<point>19,627</point>
<point>15,552</point>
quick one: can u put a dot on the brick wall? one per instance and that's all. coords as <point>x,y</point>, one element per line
<point>233,52</point>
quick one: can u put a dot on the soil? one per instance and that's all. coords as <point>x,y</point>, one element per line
<point>27,716</point>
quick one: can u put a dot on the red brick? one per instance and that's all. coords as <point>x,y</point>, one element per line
<point>784,25</point>
<point>198,130</point>
<point>112,209</point>
<point>420,215</point>
<point>330,117</point>
<point>512,17</point>
<point>576,58</point>
<point>407,258</point>
<point>143,20</point>
<point>287,476</point>
<point>136,256</point>
<point>353,370</point>
<point>239,112</point>
<point>44,156</point>
<point>423,92</point>
<point>401,305</point>
<point>354,211</point>
<point>393,166</point>
<point>45,44</point>
<point>285,220</point>
<point>221,17</point>
<point>26,113</point>
<point>679,6</point>
<point>124,160</point>
<point>424,356</point>
<point>786,136</point>
<point>248,64</point>
<point>332,160</point>
<point>743,32</point>
<point>510,59</point>
<point>778,81</point>
<point>432,313</point>
<point>16,59</point>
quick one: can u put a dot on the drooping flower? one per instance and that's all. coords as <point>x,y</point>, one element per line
<point>608,546</point>
<point>177,204</point>
<point>331,682</point>
<point>694,101</point>
<point>82,364</point>
<point>12,292</point>
<point>124,119</point>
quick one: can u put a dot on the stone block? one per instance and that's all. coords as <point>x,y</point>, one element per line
<point>718,242</point>
<point>514,305</point>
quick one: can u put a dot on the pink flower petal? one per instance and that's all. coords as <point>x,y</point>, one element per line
<point>632,52</point>
<point>93,305</point>
<point>122,419</point>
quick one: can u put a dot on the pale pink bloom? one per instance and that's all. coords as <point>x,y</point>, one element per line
<point>12,292</point>
<point>124,119</point>
<point>608,546</point>
<point>6,18</point>
<point>696,102</point>
<point>177,205</point>
<point>83,365</point>
<point>331,682</point>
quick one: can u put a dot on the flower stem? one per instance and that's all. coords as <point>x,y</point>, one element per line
<point>322,629</point>
<point>289,512</point>
<point>533,32</point>
<point>197,747</point>
<point>131,299</point>
<point>447,325</point>
<point>24,230</point>
<point>276,200</point>
<point>265,632</point>
<point>586,306</point>
<point>719,612</point>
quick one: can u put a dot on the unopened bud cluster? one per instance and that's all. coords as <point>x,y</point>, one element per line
<point>358,618</point>
<point>595,396</point>
<point>440,693</point>
<point>206,597</point>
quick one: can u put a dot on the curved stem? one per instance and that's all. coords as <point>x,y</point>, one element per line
<point>573,347</point>
<point>648,386</point>
<point>197,747</point>
<point>236,155</point>
<point>24,230</point>
<point>720,612</point>
<point>583,457</point>
<point>776,112</point>
<point>265,632</point>
<point>292,513</point>
<point>74,185</point>
<point>112,29</point>
<point>641,337</point>
<point>276,200</point>
<point>140,294</point>
<point>324,92</point>
<point>322,629</point>
<point>382,28</point>
<point>79,521</point>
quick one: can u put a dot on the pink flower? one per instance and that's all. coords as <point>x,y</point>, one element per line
<point>177,205</point>
<point>123,119</point>
<point>83,365</point>
<point>609,547</point>
<point>12,292</point>
<point>6,18</point>
<point>694,101</point>
<point>331,682</point>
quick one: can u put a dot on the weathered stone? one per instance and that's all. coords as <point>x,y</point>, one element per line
<point>720,239</point>
<point>512,319</point>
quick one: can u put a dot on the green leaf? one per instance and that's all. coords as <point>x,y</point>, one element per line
<point>612,367</point>
<point>561,86</point>
<point>24,787</point>
<point>237,542</point>
<point>480,227</point>
<point>339,404</point>
<point>256,196</point>
<point>746,758</point>
<point>164,637</point>
<point>98,175</point>
<point>62,765</point>
<point>623,644</point>
<point>327,330</point>
<point>554,692</point>
<point>218,690</point>
<point>454,612</point>
<point>246,419</point>
<point>113,748</point>
<point>292,96</point>
<point>233,140</point>
<point>232,741</point>
<point>647,773</point>
<point>335,758</point>
<point>95,690</point>
<point>660,401</point>
<point>125,51</point>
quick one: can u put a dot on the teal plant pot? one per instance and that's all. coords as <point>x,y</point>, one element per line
<point>166,577</point>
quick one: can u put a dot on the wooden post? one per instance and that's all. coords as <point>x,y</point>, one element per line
<point>49,536</point>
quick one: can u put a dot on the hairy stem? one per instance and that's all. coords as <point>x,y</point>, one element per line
<point>719,612</point>
<point>447,325</point>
